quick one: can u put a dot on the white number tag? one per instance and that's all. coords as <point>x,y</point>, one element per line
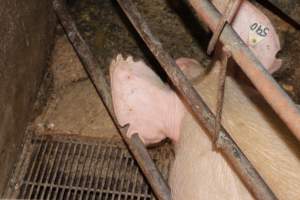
<point>257,33</point>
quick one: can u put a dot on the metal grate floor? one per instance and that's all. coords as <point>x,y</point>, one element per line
<point>56,167</point>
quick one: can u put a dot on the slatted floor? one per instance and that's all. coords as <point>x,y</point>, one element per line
<point>56,167</point>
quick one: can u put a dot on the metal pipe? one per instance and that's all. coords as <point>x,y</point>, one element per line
<point>229,148</point>
<point>91,65</point>
<point>230,11</point>
<point>252,67</point>
<point>290,8</point>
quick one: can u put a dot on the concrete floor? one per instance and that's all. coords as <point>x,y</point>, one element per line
<point>73,106</point>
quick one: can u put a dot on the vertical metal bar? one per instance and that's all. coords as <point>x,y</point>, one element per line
<point>99,147</point>
<point>68,178</point>
<point>33,163</point>
<point>129,179</point>
<point>134,144</point>
<point>88,170</point>
<point>78,183</point>
<point>123,178</point>
<point>106,171</point>
<point>49,174</point>
<point>59,181</point>
<point>100,167</point>
<point>134,181</point>
<point>73,178</point>
<point>37,172</point>
<point>110,179</point>
<point>45,174</point>
<point>220,95</point>
<point>242,165</point>
<point>118,172</point>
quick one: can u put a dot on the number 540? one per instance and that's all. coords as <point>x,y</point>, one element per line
<point>259,29</point>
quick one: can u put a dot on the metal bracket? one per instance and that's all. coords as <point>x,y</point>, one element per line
<point>231,9</point>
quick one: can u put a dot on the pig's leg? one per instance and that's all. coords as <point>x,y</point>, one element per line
<point>141,99</point>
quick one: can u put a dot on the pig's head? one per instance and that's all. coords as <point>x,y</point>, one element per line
<point>143,101</point>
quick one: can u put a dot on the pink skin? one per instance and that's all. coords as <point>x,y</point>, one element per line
<point>262,39</point>
<point>142,100</point>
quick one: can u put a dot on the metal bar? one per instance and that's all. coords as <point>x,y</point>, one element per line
<point>31,168</point>
<point>239,161</point>
<point>99,170</point>
<point>76,168</point>
<point>53,172</point>
<point>88,170</point>
<point>59,182</point>
<point>123,177</point>
<point>92,177</point>
<point>230,12</point>
<point>135,145</point>
<point>290,8</point>
<point>220,95</point>
<point>252,67</point>
<point>69,178</point>
<point>39,171</point>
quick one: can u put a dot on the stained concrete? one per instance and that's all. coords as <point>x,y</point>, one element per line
<point>73,107</point>
<point>26,34</point>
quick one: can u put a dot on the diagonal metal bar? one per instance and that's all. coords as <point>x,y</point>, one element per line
<point>290,8</point>
<point>231,10</point>
<point>251,66</point>
<point>90,63</point>
<point>229,148</point>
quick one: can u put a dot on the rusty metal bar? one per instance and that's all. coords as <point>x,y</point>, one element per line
<point>252,67</point>
<point>220,95</point>
<point>242,165</point>
<point>231,10</point>
<point>290,8</point>
<point>90,63</point>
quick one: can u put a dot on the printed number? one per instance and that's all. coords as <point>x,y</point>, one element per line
<point>259,29</point>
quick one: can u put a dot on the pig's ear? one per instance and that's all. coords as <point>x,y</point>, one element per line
<point>191,68</point>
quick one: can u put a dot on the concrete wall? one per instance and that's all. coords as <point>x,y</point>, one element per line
<point>26,35</point>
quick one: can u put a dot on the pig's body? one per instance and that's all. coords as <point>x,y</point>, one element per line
<point>199,172</point>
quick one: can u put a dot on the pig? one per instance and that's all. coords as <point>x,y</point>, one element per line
<point>256,30</point>
<point>200,171</point>
<point>261,135</point>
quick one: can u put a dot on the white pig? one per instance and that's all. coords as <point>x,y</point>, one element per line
<point>261,135</point>
<point>199,171</point>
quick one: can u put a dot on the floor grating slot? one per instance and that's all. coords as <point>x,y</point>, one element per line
<point>66,167</point>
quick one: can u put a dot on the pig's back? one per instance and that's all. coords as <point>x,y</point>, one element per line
<point>199,172</point>
<point>259,133</point>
